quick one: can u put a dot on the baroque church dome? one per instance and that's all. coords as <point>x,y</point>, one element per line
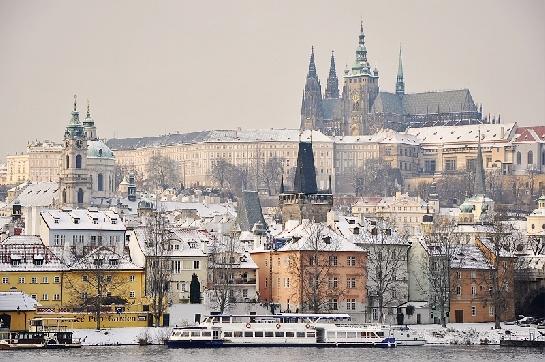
<point>98,149</point>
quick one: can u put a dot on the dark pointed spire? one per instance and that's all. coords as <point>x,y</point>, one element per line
<point>479,187</point>
<point>75,102</point>
<point>311,65</point>
<point>332,88</point>
<point>305,173</point>
<point>282,190</point>
<point>400,84</point>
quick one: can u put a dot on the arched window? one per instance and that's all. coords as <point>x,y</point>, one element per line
<point>519,158</point>
<point>543,158</point>
<point>64,196</point>
<point>530,158</point>
<point>80,196</point>
<point>100,182</point>
<point>100,152</point>
<point>78,161</point>
<point>67,161</point>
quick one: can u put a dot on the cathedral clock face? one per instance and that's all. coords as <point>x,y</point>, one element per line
<point>78,144</point>
<point>355,97</point>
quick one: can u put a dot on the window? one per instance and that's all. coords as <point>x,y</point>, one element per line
<point>34,296</point>
<point>375,314</point>
<point>176,266</point>
<point>333,260</point>
<point>132,294</point>
<point>245,292</point>
<point>473,290</point>
<point>56,297</point>
<point>56,279</point>
<point>473,311</point>
<point>458,275</point>
<point>351,304</point>
<point>351,282</point>
<point>351,261</point>
<point>33,280</point>
<point>45,296</point>
<point>312,260</point>
<point>100,182</point>
<point>78,162</point>
<point>491,310</point>
<point>196,264</point>
<point>131,278</point>
<point>45,280</point>
<point>80,195</point>
<point>84,278</point>
<point>458,290</point>
<point>21,280</point>
<point>286,282</point>
<point>333,282</point>
<point>473,274</point>
<point>519,158</point>
<point>5,280</point>
<point>530,158</point>
<point>333,304</point>
<point>450,165</point>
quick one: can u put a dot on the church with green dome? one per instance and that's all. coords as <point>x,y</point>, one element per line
<point>88,165</point>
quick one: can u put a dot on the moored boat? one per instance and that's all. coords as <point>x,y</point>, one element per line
<point>285,330</point>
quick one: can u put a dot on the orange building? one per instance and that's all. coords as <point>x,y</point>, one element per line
<point>472,299</point>
<point>315,270</point>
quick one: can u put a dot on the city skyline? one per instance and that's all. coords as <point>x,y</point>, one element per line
<point>155,69</point>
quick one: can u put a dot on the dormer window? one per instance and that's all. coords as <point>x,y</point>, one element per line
<point>56,220</point>
<point>114,221</point>
<point>76,220</point>
<point>114,262</point>
<point>95,220</point>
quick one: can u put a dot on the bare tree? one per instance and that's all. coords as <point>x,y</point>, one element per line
<point>162,172</point>
<point>220,171</point>
<point>442,245</point>
<point>158,263</point>
<point>222,257</point>
<point>271,174</point>
<point>386,268</point>
<point>376,178</point>
<point>314,267</point>
<point>97,283</point>
<point>452,188</point>
<point>537,244</point>
<point>501,245</point>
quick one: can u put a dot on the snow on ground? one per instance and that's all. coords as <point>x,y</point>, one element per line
<point>470,333</point>
<point>455,333</point>
<point>121,336</point>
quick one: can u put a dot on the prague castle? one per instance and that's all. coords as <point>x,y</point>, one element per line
<point>364,109</point>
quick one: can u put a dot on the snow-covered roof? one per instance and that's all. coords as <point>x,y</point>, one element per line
<point>469,257</point>
<point>203,210</point>
<point>82,219</point>
<point>38,194</point>
<point>490,132</point>
<point>105,254</point>
<point>385,136</point>
<point>267,134</point>
<point>23,239</point>
<point>15,301</point>
<point>304,238</point>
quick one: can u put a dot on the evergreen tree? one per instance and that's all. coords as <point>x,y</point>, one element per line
<point>195,290</point>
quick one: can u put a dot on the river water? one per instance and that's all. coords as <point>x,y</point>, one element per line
<point>161,353</point>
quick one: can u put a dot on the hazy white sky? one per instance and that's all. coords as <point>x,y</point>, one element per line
<point>155,67</point>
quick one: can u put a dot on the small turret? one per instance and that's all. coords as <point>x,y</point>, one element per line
<point>400,84</point>
<point>332,89</point>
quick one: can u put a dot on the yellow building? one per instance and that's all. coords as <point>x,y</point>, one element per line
<point>16,310</point>
<point>17,168</point>
<point>28,266</point>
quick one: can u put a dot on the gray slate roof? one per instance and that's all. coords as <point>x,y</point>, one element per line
<point>249,211</point>
<point>170,139</point>
<point>427,102</point>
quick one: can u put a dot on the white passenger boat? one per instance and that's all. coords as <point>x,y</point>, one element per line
<point>285,330</point>
<point>407,337</point>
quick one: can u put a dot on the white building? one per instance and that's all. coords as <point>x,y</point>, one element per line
<point>75,232</point>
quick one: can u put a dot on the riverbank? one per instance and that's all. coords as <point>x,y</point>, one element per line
<point>453,334</point>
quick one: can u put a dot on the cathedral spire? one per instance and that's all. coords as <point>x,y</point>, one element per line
<point>88,110</point>
<point>332,88</point>
<point>400,84</point>
<point>75,102</point>
<point>311,65</point>
<point>479,186</point>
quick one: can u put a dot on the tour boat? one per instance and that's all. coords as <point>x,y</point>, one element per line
<point>283,330</point>
<point>33,340</point>
<point>407,337</point>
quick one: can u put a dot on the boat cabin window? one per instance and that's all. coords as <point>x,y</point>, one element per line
<point>259,334</point>
<point>248,334</point>
<point>237,334</point>
<point>380,334</point>
<point>206,333</point>
<point>311,334</point>
<point>225,319</point>
<point>341,334</point>
<point>185,334</point>
<point>227,334</point>
<point>351,334</point>
<point>330,334</point>
<point>290,334</point>
<point>300,334</point>
<point>279,334</point>
<point>269,334</point>
<point>195,333</point>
